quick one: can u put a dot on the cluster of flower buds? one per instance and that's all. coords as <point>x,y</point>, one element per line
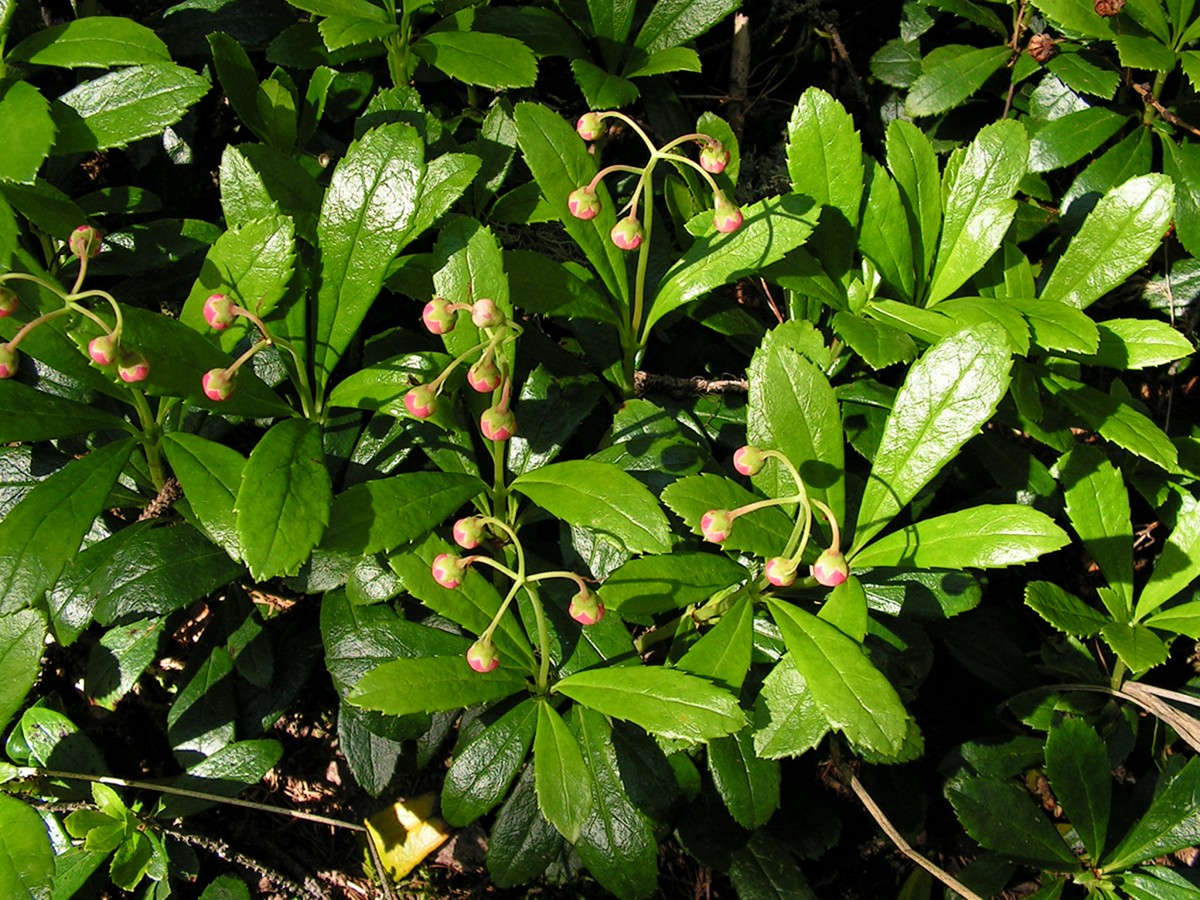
<point>830,568</point>
<point>627,234</point>
<point>85,242</point>
<point>487,375</point>
<point>220,312</point>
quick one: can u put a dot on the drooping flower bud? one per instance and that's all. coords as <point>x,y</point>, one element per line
<point>497,424</point>
<point>103,350</point>
<point>590,126</point>
<point>780,571</point>
<point>484,376</point>
<point>1042,48</point>
<point>131,365</point>
<point>714,157</point>
<point>218,312</point>
<point>217,384</point>
<point>486,314</point>
<point>627,233</point>
<point>748,460</point>
<point>586,608</point>
<point>84,241</point>
<point>727,217</point>
<point>8,302</point>
<point>448,569</point>
<point>8,361</point>
<point>468,532</point>
<point>438,317</point>
<point>482,657</point>
<point>716,524</point>
<point>583,203</point>
<point>421,401</point>
<point>831,568</point>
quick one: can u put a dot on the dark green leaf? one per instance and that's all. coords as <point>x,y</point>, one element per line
<point>654,584</point>
<point>491,60</point>
<point>22,639</point>
<point>675,22</point>
<point>1083,76</point>
<point>748,785</point>
<point>765,869</point>
<point>1171,823</point>
<point>1064,611</point>
<point>723,654</point>
<point>561,777</point>
<point>787,721</point>
<point>522,843</point>
<point>542,285</point>
<point>1115,420</point>
<point>1098,507</point>
<point>1078,768</point>
<point>486,767</point>
<point>25,119</point>
<point>950,75</point>
<point>434,683</point>
<point>762,532</point>
<point>210,474</point>
<point>118,660</point>
<point>27,414</point>
<point>1005,819</point>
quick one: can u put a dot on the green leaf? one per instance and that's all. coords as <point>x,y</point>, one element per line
<point>675,22</point>
<point>363,9</point>
<point>723,654</point>
<point>1070,138</point>
<point>1138,52</point>
<point>878,344</point>
<point>1177,565</point>
<point>522,843</point>
<point>1005,819</point>
<point>884,237</point>
<point>851,693</point>
<point>473,57</point>
<point>369,205</point>
<point>556,398</point>
<point>978,205</point>
<point>771,228</point>
<point>950,75</point>
<point>22,639</point>
<point>258,181</point>
<point>27,414</point>
<point>824,153</point>
<point>897,63</point>
<point>793,410</point>
<point>210,475</point>
<point>226,887</point>
<point>431,684</point>
<point>749,786</point>
<point>561,777</point>
<point>1098,507</point>
<point>1129,158</point>
<point>765,869</point>
<point>25,119</point>
<point>913,164</point>
<point>665,702</point>
<point>94,42</point>
<point>339,32</point>
<point>1116,420</point>
<point>1138,344</point>
<point>118,108</point>
<point>546,287</point>
<point>1078,768</point>
<point>949,393</point>
<point>1076,17</point>
<point>284,499</point>
<point>1056,326</point>
<point>1136,645</point>
<point>1063,610</point>
<point>1116,239</point>
<point>26,858</point>
<point>982,537</point>
<point>118,660</point>
<point>600,88</point>
<point>1181,619</point>
<point>787,721</point>
<point>601,497</point>
<point>662,62</point>
<point>1083,76</point>
<point>485,768</point>
<point>239,81</point>
<point>652,584</point>
<point>762,532</point>
<point>846,609</point>
<point>1171,823</point>
<point>43,532</point>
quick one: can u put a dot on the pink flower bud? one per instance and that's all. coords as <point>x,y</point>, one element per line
<point>484,376</point>
<point>421,401</point>
<point>8,361</point>
<point>727,217</point>
<point>627,233</point>
<point>131,365</point>
<point>468,532</point>
<point>438,317</point>
<point>590,126</point>
<point>448,569</point>
<point>748,460</point>
<point>583,203</point>
<point>830,569</point>
<point>84,241</point>
<point>497,424</point>
<point>714,157</point>
<point>716,524</point>
<point>486,314</point>
<point>586,608</point>
<point>103,350</point>
<point>217,384</point>
<point>482,657</point>
<point>218,312</point>
<point>8,302</point>
<point>780,571</point>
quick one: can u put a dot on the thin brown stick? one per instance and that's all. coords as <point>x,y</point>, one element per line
<point>1149,98</point>
<point>650,382</point>
<point>739,74</point>
<point>171,491</point>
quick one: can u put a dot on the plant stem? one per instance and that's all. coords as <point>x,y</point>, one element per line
<point>539,615</point>
<point>151,437</point>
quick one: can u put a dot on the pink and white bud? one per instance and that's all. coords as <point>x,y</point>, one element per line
<point>218,312</point>
<point>590,126</point>
<point>438,317</point>
<point>586,608</point>
<point>448,569</point>
<point>831,568</point>
<point>8,302</point>
<point>8,361</point>
<point>627,233</point>
<point>714,157</point>
<point>84,241</point>
<point>421,401</point>
<point>583,203</point>
<point>780,571</point>
<point>217,384</point>
<point>103,350</point>
<point>716,524</point>
<point>482,657</point>
<point>468,532</point>
<point>748,460</point>
<point>484,376</point>
<point>132,366</point>
<point>497,424</point>
<point>486,314</point>
<point>727,216</point>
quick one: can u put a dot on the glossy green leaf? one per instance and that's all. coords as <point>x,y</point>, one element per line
<point>284,499</point>
<point>648,585</point>
<point>1138,344</point>
<point>911,159</point>
<point>122,106</point>
<point>43,532</point>
<point>846,609</point>
<point>1139,52</point>
<point>560,774</point>
<point>601,497</point>
<point>1083,76</point>
<point>978,205</point>
<point>369,205</point>
<point>1115,420</point>
<point>897,63</point>
<point>878,344</point>
<point>363,9</point>
<point>824,153</point>
<point>787,720</point>
<point>73,599</point>
<point>793,410</point>
<point>1137,646</point>
<point>748,785</point>
<point>210,475</point>
<point>1129,158</point>
<point>765,869</point>
<point>557,397</point>
<point>27,414</point>
<point>662,62</point>
<point>1181,619</point>
<point>884,237</point>
<point>1056,326</point>
<point>949,393</point>
<point>339,32</point>
<point>1005,819</point>
<point>118,660</point>
<point>665,702</point>
<point>1098,507</point>
<point>521,843</point>
<point>238,80</point>
<point>542,285</point>
<point>982,537</point>
<point>486,767</point>
<point>1171,823</point>
<point>675,22</point>
<point>1178,564</point>
<point>258,182</point>
<point>1156,883</point>
<point>1068,139</point>
<point>431,684</point>
<point>762,532</point>
<point>94,42</point>
<point>723,654</point>
<point>950,75</point>
<point>1078,768</point>
<point>1079,18</point>
<point>26,858</point>
<point>22,639</point>
<point>1063,610</point>
<point>469,264</point>
<point>472,57</point>
<point>1116,239</point>
<point>600,88</point>
<point>25,119</point>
